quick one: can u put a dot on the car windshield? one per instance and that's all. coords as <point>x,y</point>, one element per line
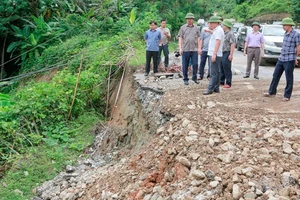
<point>273,31</point>
<point>234,29</point>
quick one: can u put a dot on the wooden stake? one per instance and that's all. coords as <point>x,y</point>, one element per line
<point>76,86</point>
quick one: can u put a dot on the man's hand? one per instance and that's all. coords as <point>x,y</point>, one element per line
<point>199,51</point>
<point>213,58</point>
<point>230,57</point>
<point>244,53</point>
<point>180,51</point>
<point>208,31</point>
<point>296,62</point>
<point>262,54</point>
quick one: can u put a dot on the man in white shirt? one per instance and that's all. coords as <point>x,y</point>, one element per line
<point>215,54</point>
<point>163,47</point>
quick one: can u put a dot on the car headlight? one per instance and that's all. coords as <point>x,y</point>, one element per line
<point>270,43</point>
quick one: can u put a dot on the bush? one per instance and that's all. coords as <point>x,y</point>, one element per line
<point>41,110</point>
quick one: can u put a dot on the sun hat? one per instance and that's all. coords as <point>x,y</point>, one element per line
<point>190,16</point>
<point>287,21</point>
<point>255,24</point>
<point>214,19</point>
<point>227,23</point>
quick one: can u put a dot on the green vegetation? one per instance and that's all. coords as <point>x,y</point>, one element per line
<point>251,8</point>
<point>45,161</point>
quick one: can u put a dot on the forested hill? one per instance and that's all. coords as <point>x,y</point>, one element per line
<point>29,24</point>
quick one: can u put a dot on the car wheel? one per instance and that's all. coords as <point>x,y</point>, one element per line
<point>263,62</point>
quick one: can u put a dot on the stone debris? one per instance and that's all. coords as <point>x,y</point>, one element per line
<point>216,147</point>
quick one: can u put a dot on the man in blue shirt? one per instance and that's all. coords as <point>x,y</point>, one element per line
<point>153,38</point>
<point>287,60</point>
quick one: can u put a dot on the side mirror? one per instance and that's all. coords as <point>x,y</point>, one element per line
<point>243,33</point>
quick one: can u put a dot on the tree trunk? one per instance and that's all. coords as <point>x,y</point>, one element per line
<point>2,57</point>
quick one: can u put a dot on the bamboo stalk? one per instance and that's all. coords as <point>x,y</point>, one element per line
<point>107,95</point>
<point>119,89</point>
<point>76,86</point>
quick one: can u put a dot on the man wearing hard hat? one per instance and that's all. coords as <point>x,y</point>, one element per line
<point>287,60</point>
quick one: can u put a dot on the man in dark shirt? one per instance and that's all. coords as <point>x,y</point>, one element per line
<point>228,49</point>
<point>287,60</point>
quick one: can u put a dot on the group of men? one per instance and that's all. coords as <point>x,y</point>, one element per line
<point>217,43</point>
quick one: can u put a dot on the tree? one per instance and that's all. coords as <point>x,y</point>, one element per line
<point>295,6</point>
<point>31,38</point>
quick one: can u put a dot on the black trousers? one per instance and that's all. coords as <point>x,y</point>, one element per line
<point>154,56</point>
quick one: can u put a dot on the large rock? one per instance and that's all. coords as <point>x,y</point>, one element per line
<point>197,174</point>
<point>184,161</point>
<point>210,175</point>
<point>287,148</point>
<point>70,169</point>
<point>236,192</point>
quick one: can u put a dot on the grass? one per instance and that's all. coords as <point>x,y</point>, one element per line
<point>44,162</point>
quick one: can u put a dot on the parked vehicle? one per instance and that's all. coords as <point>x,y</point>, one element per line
<point>236,30</point>
<point>273,35</point>
<point>243,31</point>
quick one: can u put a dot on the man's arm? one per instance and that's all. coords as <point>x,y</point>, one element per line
<point>198,41</point>
<point>180,45</point>
<point>232,47</point>
<point>297,54</point>
<point>199,46</point>
<point>168,34</point>
<point>217,46</point>
<point>159,38</point>
<point>262,49</point>
<point>245,48</point>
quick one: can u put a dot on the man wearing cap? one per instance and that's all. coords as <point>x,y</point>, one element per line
<point>215,54</point>
<point>287,60</point>
<point>228,49</point>
<point>163,47</point>
<point>254,48</point>
<point>189,47</point>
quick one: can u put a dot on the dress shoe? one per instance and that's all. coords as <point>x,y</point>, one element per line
<point>186,83</point>
<point>269,95</point>
<point>256,77</point>
<point>196,81</point>
<point>207,92</point>
<point>246,76</point>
